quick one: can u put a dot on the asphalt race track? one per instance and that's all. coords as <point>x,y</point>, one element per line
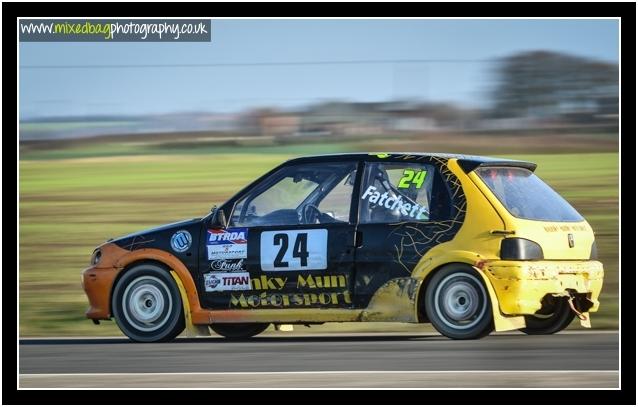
<point>573,359</point>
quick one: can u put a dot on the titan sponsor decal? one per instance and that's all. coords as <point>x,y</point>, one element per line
<point>227,265</point>
<point>284,250</point>
<point>226,281</point>
<point>393,202</point>
<point>225,244</point>
<point>269,299</point>
<point>181,241</point>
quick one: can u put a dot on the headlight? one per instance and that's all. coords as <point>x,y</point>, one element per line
<point>95,258</point>
<point>516,248</point>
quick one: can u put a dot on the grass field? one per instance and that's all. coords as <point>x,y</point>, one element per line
<point>69,205</point>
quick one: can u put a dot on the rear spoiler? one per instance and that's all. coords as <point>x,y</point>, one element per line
<point>469,165</point>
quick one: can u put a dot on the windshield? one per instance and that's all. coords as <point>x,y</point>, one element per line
<point>526,196</point>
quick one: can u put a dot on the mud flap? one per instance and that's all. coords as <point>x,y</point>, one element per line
<point>191,330</point>
<point>501,322</point>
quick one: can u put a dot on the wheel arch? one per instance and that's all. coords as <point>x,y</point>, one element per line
<point>167,261</point>
<point>502,322</point>
<point>421,316</point>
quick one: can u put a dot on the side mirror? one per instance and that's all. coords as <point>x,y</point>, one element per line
<point>218,218</point>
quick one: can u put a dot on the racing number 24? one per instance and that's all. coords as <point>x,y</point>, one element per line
<point>299,250</point>
<point>410,176</point>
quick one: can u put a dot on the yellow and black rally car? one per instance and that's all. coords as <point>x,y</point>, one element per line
<point>469,244</point>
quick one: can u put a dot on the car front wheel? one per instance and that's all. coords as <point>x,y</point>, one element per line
<point>147,305</point>
<point>457,303</point>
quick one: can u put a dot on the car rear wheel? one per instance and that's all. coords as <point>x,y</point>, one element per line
<point>553,319</point>
<point>147,305</point>
<point>457,303</point>
<point>239,331</point>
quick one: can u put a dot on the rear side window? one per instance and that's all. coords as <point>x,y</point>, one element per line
<point>526,196</point>
<point>396,193</point>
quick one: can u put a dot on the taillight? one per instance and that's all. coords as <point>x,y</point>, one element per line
<point>516,248</point>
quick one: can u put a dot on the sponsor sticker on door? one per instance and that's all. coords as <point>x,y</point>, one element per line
<point>226,282</point>
<point>227,265</point>
<point>225,244</point>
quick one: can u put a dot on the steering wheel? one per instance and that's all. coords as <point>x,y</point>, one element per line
<point>310,214</point>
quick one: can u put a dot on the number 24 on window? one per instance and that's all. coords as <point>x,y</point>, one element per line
<point>412,177</point>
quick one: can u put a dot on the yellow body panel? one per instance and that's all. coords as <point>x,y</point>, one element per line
<point>520,286</point>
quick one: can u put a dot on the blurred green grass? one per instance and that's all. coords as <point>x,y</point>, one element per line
<point>70,205</point>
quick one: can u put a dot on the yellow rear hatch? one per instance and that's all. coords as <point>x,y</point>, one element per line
<point>531,210</point>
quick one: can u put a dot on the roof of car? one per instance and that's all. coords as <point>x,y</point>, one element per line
<point>467,162</point>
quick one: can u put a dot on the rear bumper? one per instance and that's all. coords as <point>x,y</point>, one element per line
<point>97,284</point>
<point>521,285</point>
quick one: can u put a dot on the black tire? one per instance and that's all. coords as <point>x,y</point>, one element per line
<point>457,303</point>
<point>239,331</point>
<point>147,305</point>
<point>553,319</point>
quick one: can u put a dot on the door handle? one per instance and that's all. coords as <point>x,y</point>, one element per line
<point>358,239</point>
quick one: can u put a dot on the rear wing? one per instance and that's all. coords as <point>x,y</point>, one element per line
<point>468,165</point>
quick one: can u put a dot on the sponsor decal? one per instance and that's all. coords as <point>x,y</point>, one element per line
<point>266,299</point>
<point>321,281</point>
<point>269,283</point>
<point>270,299</point>
<point>283,250</point>
<point>226,282</point>
<point>227,236</point>
<point>181,241</point>
<point>393,202</point>
<point>277,283</point>
<point>227,251</point>
<point>227,265</point>
<point>225,244</point>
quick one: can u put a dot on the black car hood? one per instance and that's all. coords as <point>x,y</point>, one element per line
<point>157,237</point>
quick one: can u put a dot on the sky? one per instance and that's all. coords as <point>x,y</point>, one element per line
<point>132,91</point>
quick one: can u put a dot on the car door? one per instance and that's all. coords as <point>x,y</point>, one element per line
<point>405,208</point>
<point>288,243</point>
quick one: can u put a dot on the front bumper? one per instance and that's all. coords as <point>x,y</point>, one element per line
<point>97,284</point>
<point>521,285</point>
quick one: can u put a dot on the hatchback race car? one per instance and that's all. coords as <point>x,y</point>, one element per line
<point>469,244</point>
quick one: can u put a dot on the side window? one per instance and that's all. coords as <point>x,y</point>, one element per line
<point>396,192</point>
<point>299,195</point>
